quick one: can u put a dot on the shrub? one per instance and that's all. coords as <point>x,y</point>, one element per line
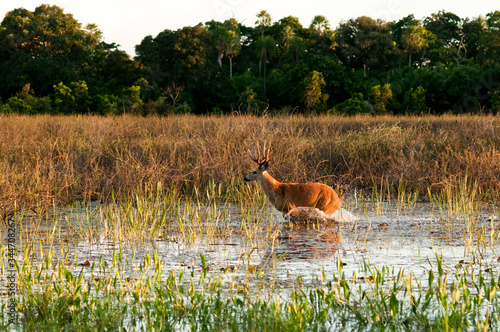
<point>107,104</point>
<point>249,100</point>
<point>353,105</point>
<point>16,105</point>
<point>414,101</point>
<point>313,97</point>
<point>381,96</point>
<point>495,101</point>
<point>132,99</point>
<point>183,108</point>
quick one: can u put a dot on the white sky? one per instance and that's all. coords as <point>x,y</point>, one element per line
<point>127,22</point>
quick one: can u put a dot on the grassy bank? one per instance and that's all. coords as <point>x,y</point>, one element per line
<point>47,158</point>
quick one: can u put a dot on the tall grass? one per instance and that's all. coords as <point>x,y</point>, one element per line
<point>64,159</point>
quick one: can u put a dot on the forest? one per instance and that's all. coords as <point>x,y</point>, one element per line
<point>52,64</point>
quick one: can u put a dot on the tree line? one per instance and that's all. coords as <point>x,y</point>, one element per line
<point>50,63</point>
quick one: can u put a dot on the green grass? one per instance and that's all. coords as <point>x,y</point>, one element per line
<point>110,295</point>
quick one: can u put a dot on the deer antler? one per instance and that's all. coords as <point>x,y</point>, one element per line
<point>267,153</point>
<point>258,159</point>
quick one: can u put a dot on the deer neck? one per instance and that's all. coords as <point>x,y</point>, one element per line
<point>270,186</point>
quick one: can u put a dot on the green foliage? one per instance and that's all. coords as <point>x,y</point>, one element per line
<point>210,66</point>
<point>107,104</point>
<point>381,96</point>
<point>132,100</point>
<point>414,101</point>
<point>414,39</point>
<point>353,105</point>
<point>63,97</point>
<point>313,97</point>
<point>365,43</point>
<point>495,101</point>
<point>71,99</point>
<point>81,96</point>
<point>43,47</point>
<point>249,100</point>
<point>183,108</point>
<point>16,105</point>
<point>34,105</point>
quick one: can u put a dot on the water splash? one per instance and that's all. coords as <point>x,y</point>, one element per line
<point>303,213</point>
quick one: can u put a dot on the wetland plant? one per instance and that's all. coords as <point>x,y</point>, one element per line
<point>55,294</point>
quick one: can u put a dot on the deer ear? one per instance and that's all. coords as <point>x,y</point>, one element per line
<point>265,166</point>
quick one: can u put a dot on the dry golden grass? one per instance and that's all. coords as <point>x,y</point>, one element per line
<point>67,158</point>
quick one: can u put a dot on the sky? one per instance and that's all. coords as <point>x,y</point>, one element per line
<point>127,22</point>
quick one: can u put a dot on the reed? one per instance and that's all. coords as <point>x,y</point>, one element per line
<point>83,158</point>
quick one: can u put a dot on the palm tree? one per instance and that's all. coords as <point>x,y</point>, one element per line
<point>320,24</point>
<point>414,39</point>
<point>227,42</point>
<point>265,47</point>
<point>264,20</point>
<point>297,46</point>
<point>233,48</point>
<point>288,34</point>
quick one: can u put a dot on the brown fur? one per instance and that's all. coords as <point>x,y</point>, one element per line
<point>287,196</point>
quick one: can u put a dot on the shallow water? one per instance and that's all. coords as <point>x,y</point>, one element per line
<point>283,251</point>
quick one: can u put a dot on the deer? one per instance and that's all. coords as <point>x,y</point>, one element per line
<point>288,196</point>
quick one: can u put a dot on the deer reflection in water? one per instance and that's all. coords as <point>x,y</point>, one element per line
<point>304,241</point>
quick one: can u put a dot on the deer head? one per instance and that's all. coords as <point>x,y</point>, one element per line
<point>262,161</point>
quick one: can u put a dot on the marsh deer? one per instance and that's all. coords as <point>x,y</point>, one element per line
<point>287,196</point>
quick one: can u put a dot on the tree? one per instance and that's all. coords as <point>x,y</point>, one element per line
<point>71,99</point>
<point>352,106</point>
<point>43,48</point>
<point>313,97</point>
<point>227,37</point>
<point>263,21</point>
<point>472,31</point>
<point>413,39</point>
<point>381,96</point>
<point>297,47</point>
<point>320,24</point>
<point>414,101</point>
<point>174,92</point>
<point>38,105</point>
<point>249,97</point>
<point>131,100</point>
<point>64,99</point>
<point>287,35</point>
<point>364,43</point>
<point>448,44</point>
<point>265,47</point>
<point>291,21</point>
<point>109,64</point>
<point>399,27</point>
<point>495,101</point>
<point>233,45</point>
<point>446,26</point>
<point>491,38</point>
<point>184,57</point>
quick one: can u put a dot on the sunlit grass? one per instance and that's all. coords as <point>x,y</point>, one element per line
<point>89,158</point>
